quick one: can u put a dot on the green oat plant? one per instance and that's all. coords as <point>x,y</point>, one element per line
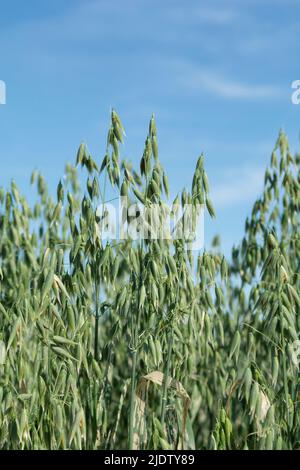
<point>147,344</point>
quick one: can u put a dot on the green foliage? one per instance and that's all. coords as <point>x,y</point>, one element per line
<point>136,344</point>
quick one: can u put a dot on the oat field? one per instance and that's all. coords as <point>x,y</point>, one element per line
<point>147,343</point>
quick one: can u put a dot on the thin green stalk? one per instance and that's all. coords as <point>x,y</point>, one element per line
<point>135,325</point>
<point>97,314</point>
<point>166,376</point>
<point>132,399</point>
<point>285,379</point>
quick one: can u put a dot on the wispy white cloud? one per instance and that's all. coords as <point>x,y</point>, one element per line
<point>212,14</point>
<point>89,29</point>
<point>198,79</point>
<point>238,185</point>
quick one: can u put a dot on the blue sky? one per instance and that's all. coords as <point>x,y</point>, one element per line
<point>217,75</point>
